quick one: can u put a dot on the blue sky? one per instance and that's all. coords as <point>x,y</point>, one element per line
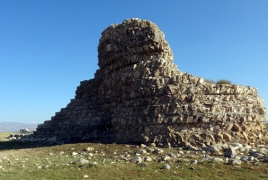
<point>48,46</point>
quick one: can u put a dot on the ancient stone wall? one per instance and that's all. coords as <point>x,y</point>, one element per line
<point>139,96</point>
<point>82,119</point>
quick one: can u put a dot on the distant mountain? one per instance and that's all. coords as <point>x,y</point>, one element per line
<point>15,126</point>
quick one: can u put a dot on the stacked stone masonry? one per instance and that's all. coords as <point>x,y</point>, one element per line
<point>139,96</point>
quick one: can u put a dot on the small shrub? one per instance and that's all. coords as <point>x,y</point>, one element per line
<point>223,81</point>
<point>209,81</point>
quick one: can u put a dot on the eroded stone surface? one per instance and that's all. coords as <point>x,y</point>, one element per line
<point>139,96</point>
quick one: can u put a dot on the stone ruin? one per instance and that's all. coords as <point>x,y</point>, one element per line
<point>139,96</point>
<point>23,132</point>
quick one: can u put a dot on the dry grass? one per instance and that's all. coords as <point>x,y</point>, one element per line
<point>4,135</point>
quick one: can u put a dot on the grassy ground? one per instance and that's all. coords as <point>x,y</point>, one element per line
<point>22,161</point>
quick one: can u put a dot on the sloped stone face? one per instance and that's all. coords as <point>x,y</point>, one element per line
<point>138,95</point>
<point>81,119</point>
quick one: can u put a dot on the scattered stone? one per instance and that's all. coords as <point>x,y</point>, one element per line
<point>250,158</point>
<point>265,158</point>
<point>236,145</point>
<point>236,162</point>
<point>148,159</point>
<point>143,146</point>
<point>158,151</point>
<point>83,161</point>
<point>192,148</point>
<point>141,151</point>
<point>216,159</point>
<point>263,151</point>
<point>194,162</point>
<point>94,163</point>
<point>149,150</point>
<point>166,166</point>
<point>85,176</point>
<point>212,148</point>
<point>181,152</point>
<point>89,149</point>
<point>230,152</point>
<point>137,159</point>
<point>192,168</point>
<point>166,158</point>
<point>152,145</point>
<point>74,153</point>
<point>244,158</point>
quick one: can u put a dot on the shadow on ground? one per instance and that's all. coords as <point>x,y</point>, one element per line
<point>18,144</point>
<point>15,144</point>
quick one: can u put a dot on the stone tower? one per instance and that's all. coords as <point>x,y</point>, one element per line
<point>139,96</point>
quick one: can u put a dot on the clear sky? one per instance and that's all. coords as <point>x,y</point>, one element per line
<point>48,46</point>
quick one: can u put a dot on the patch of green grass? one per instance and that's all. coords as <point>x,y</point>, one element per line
<point>57,162</point>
